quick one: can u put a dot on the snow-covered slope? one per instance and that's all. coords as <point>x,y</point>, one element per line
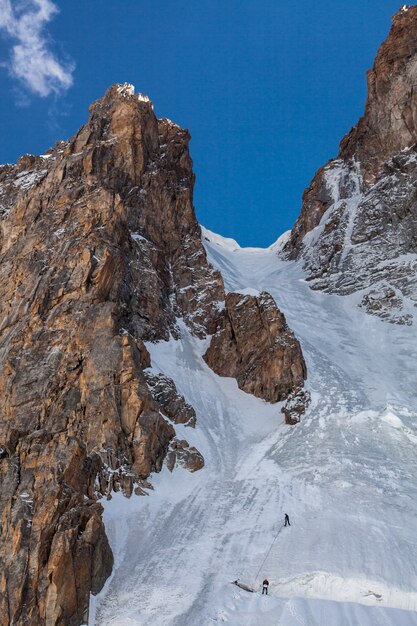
<point>345,475</point>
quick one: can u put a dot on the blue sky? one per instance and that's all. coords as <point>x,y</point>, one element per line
<point>267,88</point>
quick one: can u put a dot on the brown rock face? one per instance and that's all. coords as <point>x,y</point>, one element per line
<point>317,199</point>
<point>388,126</point>
<point>183,454</point>
<point>165,392</point>
<point>254,345</point>
<point>357,231</point>
<point>100,251</point>
<point>389,123</point>
<point>296,405</point>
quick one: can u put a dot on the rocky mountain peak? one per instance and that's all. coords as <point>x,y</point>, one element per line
<point>389,123</point>
<point>101,252</point>
<point>357,231</point>
<point>120,92</point>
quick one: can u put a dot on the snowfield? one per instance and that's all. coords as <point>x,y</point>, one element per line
<point>346,475</point>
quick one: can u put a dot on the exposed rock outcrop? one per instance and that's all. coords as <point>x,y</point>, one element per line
<point>254,345</point>
<point>187,456</point>
<point>296,405</point>
<point>357,231</point>
<point>389,123</point>
<point>100,252</point>
<point>165,392</point>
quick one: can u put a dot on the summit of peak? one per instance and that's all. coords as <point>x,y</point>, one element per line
<point>119,94</point>
<point>125,89</point>
<point>406,8</point>
<point>406,14</point>
<point>124,92</point>
<point>389,122</point>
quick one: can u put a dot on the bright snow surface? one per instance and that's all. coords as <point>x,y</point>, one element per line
<point>346,475</point>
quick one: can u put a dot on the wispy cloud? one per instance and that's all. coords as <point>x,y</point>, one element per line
<point>31,60</point>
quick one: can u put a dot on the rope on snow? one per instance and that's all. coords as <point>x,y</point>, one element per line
<point>269,551</point>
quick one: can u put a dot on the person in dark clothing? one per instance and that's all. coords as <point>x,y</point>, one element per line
<point>265,585</point>
<point>286,520</point>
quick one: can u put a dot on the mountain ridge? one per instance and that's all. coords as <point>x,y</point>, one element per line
<point>100,252</point>
<point>114,303</point>
<point>357,230</point>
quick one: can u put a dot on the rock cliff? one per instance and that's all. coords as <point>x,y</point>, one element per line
<point>100,252</point>
<point>254,345</point>
<point>357,231</point>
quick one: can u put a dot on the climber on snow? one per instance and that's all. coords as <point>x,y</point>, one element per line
<point>286,520</point>
<point>265,585</point>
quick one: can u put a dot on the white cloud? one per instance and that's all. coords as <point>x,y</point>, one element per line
<point>31,61</point>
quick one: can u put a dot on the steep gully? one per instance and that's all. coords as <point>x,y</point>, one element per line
<point>118,198</point>
<point>346,471</point>
<point>337,473</point>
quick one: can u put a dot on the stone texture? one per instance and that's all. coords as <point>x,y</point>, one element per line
<point>254,345</point>
<point>357,231</point>
<point>100,252</point>
<point>165,392</point>
<point>296,406</point>
<point>317,198</point>
<point>387,127</point>
<point>389,123</point>
<point>186,456</point>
